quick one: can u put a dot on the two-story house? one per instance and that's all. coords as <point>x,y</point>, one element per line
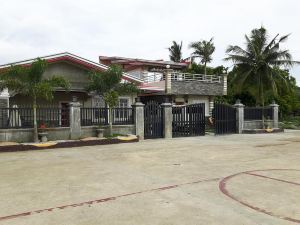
<point>166,79</point>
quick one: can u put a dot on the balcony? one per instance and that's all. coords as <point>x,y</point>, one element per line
<point>185,83</point>
<point>152,77</point>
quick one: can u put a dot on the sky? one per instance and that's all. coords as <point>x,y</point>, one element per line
<point>139,28</point>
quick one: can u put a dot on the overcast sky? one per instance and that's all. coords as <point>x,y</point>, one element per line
<point>139,28</point>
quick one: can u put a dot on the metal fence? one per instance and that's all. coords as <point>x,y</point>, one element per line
<point>100,116</point>
<point>94,116</point>
<point>23,117</point>
<point>53,117</point>
<point>224,117</point>
<point>122,116</point>
<point>258,113</point>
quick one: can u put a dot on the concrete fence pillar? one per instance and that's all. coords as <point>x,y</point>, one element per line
<point>275,111</point>
<point>138,108</point>
<point>168,119</point>
<point>239,116</point>
<point>75,121</point>
<point>4,103</point>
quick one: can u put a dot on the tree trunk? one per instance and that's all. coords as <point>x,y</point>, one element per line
<point>205,69</point>
<point>262,102</point>
<point>35,129</point>
<point>110,120</point>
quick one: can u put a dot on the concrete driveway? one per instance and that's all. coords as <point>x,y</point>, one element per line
<point>234,179</point>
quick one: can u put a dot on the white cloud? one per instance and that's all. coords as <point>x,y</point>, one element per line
<point>137,28</point>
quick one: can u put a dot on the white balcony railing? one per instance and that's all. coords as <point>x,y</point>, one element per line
<point>151,77</point>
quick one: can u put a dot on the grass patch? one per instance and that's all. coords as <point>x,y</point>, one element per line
<point>291,123</point>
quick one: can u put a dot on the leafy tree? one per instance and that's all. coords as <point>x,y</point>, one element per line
<point>109,85</point>
<point>175,52</point>
<point>203,50</point>
<point>29,81</point>
<point>200,69</point>
<point>255,66</point>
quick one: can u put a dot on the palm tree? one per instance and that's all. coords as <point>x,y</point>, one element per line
<point>109,85</point>
<point>203,50</point>
<point>256,65</point>
<point>29,81</point>
<point>175,52</point>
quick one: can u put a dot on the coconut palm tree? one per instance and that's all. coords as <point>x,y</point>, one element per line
<point>203,50</point>
<point>175,52</point>
<point>109,85</point>
<point>29,81</point>
<point>256,65</point>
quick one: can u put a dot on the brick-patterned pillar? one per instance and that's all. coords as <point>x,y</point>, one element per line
<point>210,105</point>
<point>225,84</point>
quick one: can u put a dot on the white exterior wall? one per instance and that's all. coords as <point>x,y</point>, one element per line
<point>200,99</point>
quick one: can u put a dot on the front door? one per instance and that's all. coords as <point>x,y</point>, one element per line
<point>65,114</point>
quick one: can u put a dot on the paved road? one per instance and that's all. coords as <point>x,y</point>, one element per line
<point>234,179</point>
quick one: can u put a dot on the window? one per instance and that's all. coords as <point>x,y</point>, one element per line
<point>123,103</point>
<point>122,114</point>
<point>98,102</point>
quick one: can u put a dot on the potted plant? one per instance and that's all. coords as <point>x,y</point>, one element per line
<point>100,132</point>
<point>42,134</point>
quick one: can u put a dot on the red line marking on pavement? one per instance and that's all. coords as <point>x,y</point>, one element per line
<point>271,178</point>
<point>102,200</point>
<point>224,190</point>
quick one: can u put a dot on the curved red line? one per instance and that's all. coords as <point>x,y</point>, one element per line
<point>224,190</point>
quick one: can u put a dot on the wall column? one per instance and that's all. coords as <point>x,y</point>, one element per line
<point>75,121</point>
<point>168,83</point>
<point>167,119</point>
<point>138,113</point>
<point>275,110</point>
<point>239,116</point>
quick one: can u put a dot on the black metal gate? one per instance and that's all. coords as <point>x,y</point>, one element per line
<point>188,120</point>
<point>153,117</point>
<point>224,118</point>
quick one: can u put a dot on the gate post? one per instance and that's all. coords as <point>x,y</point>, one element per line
<point>275,109</point>
<point>167,119</point>
<point>138,113</point>
<point>4,103</point>
<point>239,116</point>
<point>75,120</point>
